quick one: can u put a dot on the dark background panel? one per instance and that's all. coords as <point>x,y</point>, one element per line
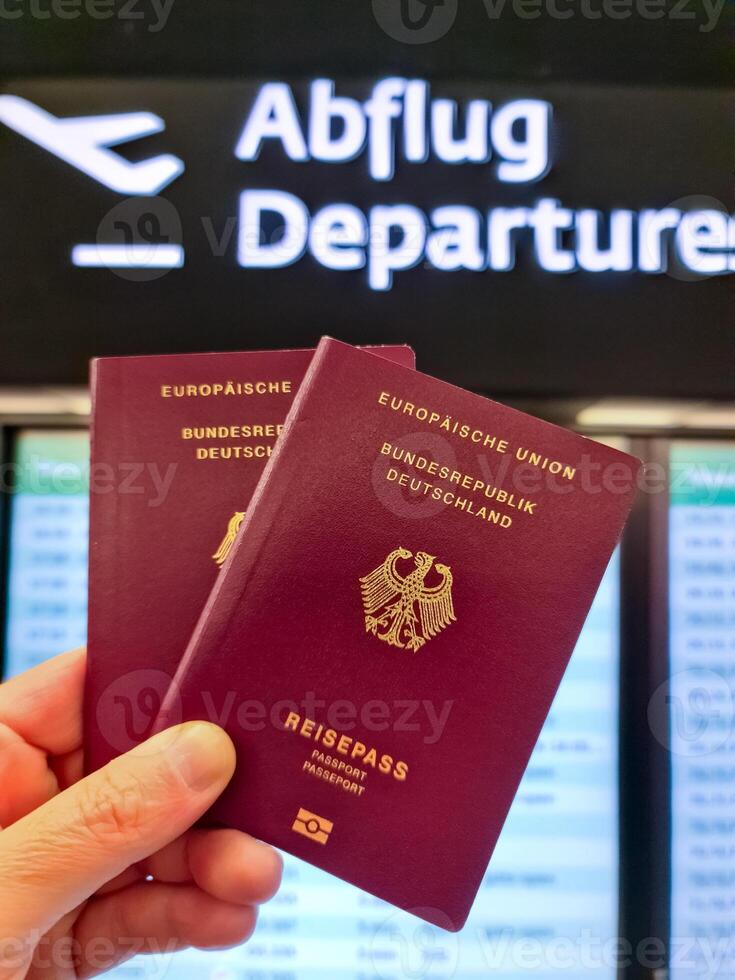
<point>681,42</point>
<point>526,332</point>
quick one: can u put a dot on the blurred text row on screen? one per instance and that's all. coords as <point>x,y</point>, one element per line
<point>701,694</point>
<point>549,903</point>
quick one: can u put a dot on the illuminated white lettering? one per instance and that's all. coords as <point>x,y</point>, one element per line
<point>502,222</point>
<point>701,240</point>
<point>397,239</point>
<point>548,219</point>
<point>651,227</point>
<point>526,157</point>
<point>337,237</point>
<point>381,109</point>
<point>455,244</point>
<point>325,109</point>
<point>252,251</point>
<point>618,257</point>
<point>273,116</point>
<point>474,146</point>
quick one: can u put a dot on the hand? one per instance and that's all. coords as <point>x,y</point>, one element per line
<point>95,869</point>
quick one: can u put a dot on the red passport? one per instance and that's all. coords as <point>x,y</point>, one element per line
<point>387,637</point>
<point>178,445</point>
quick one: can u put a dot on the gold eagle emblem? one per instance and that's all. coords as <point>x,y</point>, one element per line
<point>401,609</point>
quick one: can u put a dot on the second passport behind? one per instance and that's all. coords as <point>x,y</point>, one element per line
<point>178,445</point>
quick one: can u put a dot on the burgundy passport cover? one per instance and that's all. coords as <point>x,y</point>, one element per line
<point>178,445</point>
<point>389,632</point>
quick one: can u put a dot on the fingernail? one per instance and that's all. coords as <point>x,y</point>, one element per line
<point>202,753</point>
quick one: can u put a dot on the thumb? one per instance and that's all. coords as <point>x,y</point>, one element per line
<point>57,856</point>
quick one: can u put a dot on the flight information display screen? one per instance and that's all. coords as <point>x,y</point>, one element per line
<point>47,575</point>
<point>702,710</point>
<point>549,901</point>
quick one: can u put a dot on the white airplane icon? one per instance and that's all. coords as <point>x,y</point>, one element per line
<point>84,142</point>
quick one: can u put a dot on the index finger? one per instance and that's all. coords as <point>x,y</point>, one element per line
<point>44,705</point>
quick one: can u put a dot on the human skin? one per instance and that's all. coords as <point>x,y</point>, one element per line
<point>94,869</point>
